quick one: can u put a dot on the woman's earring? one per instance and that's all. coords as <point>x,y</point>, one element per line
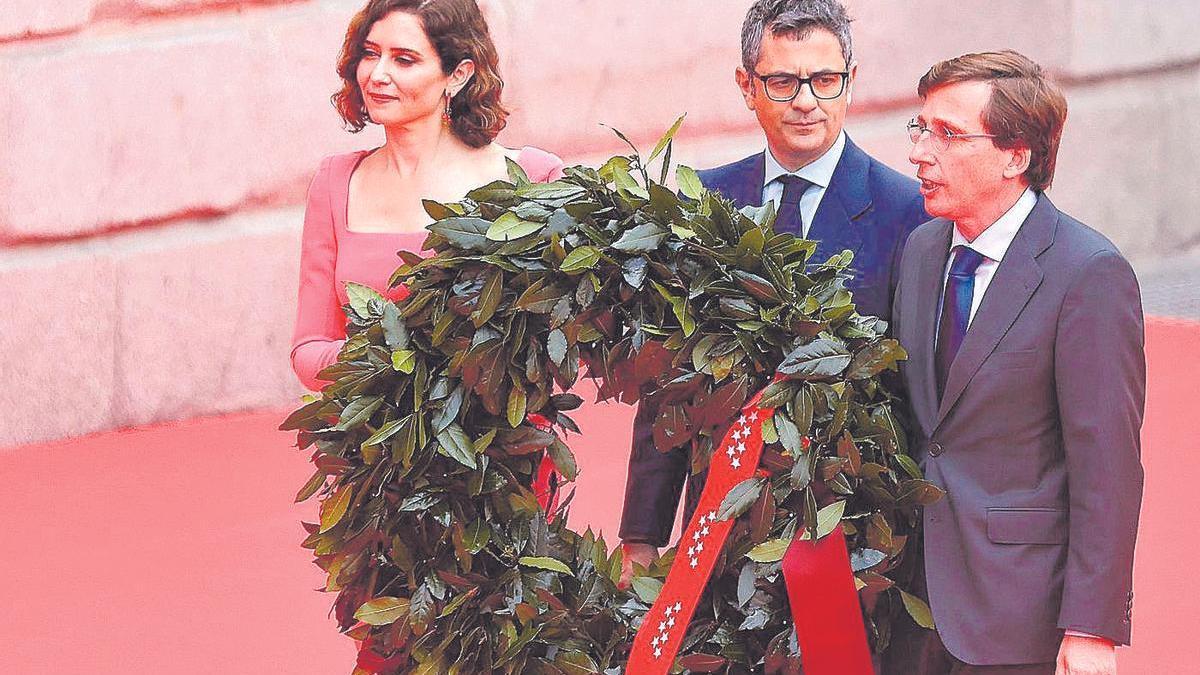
<point>446,112</point>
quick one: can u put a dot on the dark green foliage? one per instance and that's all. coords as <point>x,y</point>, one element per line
<point>429,531</point>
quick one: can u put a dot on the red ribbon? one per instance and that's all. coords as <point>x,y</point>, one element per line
<point>820,585</point>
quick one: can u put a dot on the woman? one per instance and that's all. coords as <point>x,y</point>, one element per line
<point>426,70</point>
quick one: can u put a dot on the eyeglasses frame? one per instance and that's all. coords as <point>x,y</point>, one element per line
<point>946,137</point>
<point>845,75</point>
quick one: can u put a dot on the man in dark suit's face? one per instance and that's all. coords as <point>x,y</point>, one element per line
<point>801,121</point>
<point>965,177</point>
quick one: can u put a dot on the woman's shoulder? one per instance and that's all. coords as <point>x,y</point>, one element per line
<point>539,164</point>
<point>333,173</point>
<point>341,163</point>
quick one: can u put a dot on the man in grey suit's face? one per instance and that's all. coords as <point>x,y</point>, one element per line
<point>1026,379</point>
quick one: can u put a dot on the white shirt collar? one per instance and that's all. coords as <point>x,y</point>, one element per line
<point>995,240</point>
<point>819,171</point>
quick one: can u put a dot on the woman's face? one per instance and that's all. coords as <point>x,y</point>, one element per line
<point>400,74</point>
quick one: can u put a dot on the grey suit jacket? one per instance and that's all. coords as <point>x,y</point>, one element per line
<point>1036,440</point>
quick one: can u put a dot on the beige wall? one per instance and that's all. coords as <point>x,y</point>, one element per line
<point>154,154</point>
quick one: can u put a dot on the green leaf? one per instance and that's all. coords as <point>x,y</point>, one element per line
<point>919,492</point>
<point>360,298</point>
<point>545,563</point>
<point>689,181</point>
<point>404,360</point>
<point>385,432</point>
<point>789,435</point>
<point>489,299</point>
<point>316,482</point>
<point>516,405</point>
<point>564,459</point>
<point>575,663</point>
<point>771,550</point>
<point>829,517</point>
<point>580,259</point>
<point>820,358</point>
<point>745,586</point>
<point>918,610</point>
<point>382,611</point>
<point>665,140</point>
<point>556,191</point>
<point>477,535</point>
<point>740,498</point>
<point>647,588</point>
<point>641,239</point>
<point>457,446</point>
<point>875,358</point>
<point>556,346</point>
<point>509,227</point>
<point>333,509</point>
<point>910,467</point>
<point>865,558</point>
<point>395,333</point>
<point>516,173</point>
<point>465,233</point>
<point>802,471</point>
<point>358,412</point>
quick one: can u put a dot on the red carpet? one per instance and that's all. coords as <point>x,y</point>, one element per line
<point>174,549</point>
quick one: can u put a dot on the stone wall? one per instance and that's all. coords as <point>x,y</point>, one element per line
<point>154,156</point>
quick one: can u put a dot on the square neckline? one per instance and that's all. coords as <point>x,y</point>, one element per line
<point>345,207</point>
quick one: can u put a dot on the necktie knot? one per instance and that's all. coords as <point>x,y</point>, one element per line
<point>793,187</point>
<point>966,261</point>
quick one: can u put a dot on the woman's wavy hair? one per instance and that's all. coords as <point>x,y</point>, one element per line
<point>457,30</point>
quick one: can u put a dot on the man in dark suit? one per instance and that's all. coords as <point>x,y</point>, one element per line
<point>797,76</point>
<point>1026,377</point>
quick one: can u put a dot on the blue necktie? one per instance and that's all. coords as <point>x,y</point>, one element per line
<point>788,217</point>
<point>956,310</point>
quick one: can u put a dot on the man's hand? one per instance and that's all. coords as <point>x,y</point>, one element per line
<point>642,554</point>
<point>1080,655</point>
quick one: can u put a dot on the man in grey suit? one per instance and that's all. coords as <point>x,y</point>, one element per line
<point>1026,377</point>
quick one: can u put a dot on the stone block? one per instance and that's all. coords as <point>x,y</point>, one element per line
<point>58,341</point>
<point>896,42</point>
<point>636,69</point>
<point>188,116</point>
<point>1129,161</point>
<point>31,18</point>
<point>205,316</point>
<point>1120,35</point>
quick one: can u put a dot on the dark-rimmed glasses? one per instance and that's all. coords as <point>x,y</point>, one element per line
<point>783,87</point>
<point>941,139</point>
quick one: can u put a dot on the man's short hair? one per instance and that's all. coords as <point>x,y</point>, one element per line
<point>1025,108</point>
<point>794,19</point>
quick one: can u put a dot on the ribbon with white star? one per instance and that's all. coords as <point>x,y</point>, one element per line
<point>817,575</point>
<point>665,625</point>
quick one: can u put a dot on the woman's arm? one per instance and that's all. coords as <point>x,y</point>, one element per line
<point>320,323</point>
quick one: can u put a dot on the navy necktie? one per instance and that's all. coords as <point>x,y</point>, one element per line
<point>788,217</point>
<point>956,311</point>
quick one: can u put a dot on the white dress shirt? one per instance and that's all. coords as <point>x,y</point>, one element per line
<point>819,172</point>
<point>992,244</point>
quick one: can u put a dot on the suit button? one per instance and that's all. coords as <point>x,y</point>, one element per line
<point>935,449</point>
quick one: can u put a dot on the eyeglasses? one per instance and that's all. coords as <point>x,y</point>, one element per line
<point>940,139</point>
<point>783,87</point>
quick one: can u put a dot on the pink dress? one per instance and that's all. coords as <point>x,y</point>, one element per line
<point>331,255</point>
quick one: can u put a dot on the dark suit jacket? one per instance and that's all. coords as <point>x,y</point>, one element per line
<point>1036,440</point>
<point>868,208</point>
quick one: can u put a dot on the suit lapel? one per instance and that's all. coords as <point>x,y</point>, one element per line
<point>839,222</point>
<point>1018,276</point>
<point>740,182</point>
<point>923,307</point>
